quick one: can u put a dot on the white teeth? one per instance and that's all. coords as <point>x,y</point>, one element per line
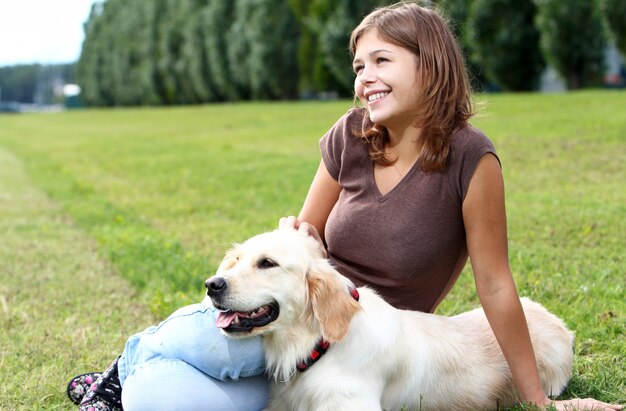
<point>376,96</point>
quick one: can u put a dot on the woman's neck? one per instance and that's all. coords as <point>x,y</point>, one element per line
<point>405,146</point>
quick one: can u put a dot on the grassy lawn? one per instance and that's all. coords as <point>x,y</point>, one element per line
<point>113,218</point>
<point>62,307</point>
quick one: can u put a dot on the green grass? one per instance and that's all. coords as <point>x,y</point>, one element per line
<point>143,203</point>
<point>62,307</point>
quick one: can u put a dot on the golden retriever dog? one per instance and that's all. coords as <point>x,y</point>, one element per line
<point>328,351</point>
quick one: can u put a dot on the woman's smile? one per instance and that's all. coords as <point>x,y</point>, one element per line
<point>376,96</point>
<point>386,81</point>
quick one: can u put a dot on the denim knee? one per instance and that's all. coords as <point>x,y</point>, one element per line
<point>190,335</point>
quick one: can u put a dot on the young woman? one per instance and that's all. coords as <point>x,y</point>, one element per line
<point>406,191</point>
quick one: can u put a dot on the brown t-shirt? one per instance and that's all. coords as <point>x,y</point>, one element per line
<point>408,244</point>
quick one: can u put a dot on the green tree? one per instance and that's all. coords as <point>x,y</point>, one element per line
<point>334,34</point>
<point>573,39</point>
<point>314,74</point>
<point>89,69</point>
<point>121,72</point>
<point>615,13</point>
<point>216,19</point>
<point>195,77</point>
<point>117,63</point>
<point>112,52</point>
<point>306,48</point>
<point>238,42</point>
<point>333,22</point>
<point>273,52</point>
<point>181,55</point>
<point>169,39</point>
<point>457,13</point>
<point>261,49</point>
<point>506,42</point>
<point>144,62</point>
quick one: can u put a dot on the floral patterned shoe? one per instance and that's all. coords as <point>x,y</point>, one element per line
<point>78,386</point>
<point>105,394</point>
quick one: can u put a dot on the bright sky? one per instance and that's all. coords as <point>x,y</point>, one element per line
<point>42,31</point>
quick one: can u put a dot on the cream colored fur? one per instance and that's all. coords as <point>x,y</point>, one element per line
<point>380,357</point>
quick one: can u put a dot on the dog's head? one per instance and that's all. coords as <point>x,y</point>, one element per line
<point>278,281</point>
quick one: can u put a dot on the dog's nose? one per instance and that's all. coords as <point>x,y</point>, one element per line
<point>215,286</point>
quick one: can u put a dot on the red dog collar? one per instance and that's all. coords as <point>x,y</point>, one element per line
<point>322,345</point>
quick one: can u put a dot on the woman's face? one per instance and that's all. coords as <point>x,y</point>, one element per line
<point>386,81</point>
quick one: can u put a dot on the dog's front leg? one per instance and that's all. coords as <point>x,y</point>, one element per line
<point>277,401</point>
<point>275,405</point>
<point>350,404</point>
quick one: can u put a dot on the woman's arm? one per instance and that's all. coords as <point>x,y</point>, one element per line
<point>319,202</point>
<point>485,224</point>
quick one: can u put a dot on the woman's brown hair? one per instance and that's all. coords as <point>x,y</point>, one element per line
<point>445,103</point>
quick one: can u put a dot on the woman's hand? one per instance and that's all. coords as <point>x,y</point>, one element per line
<point>289,222</point>
<point>581,404</point>
<point>292,222</point>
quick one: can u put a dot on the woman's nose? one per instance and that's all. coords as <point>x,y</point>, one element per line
<point>367,75</point>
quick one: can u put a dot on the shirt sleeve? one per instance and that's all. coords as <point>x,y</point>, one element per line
<point>472,146</point>
<point>333,144</point>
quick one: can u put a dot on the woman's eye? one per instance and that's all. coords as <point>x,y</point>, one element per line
<point>267,263</point>
<point>381,60</point>
<point>357,69</point>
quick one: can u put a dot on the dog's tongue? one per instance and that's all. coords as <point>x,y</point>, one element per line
<point>225,318</point>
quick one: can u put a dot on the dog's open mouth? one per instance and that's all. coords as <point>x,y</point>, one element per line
<point>238,321</point>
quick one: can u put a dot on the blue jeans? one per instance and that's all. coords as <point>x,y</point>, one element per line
<point>185,363</point>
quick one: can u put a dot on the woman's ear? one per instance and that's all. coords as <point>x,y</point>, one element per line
<point>333,307</point>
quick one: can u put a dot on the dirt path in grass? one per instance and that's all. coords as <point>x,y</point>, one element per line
<point>63,311</point>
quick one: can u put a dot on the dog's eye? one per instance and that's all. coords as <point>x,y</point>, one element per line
<point>267,263</point>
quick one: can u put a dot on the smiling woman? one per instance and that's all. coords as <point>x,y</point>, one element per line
<point>417,64</point>
<point>386,82</point>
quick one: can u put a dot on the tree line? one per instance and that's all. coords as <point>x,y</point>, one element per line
<point>163,52</point>
<point>508,43</point>
<point>193,51</point>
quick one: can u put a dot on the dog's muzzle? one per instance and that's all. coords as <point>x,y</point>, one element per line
<point>232,320</point>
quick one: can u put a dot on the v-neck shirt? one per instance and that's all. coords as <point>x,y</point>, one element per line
<point>409,243</point>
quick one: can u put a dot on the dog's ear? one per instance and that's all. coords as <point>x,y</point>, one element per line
<point>333,307</point>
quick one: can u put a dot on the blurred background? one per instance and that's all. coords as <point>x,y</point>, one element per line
<point>74,53</point>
